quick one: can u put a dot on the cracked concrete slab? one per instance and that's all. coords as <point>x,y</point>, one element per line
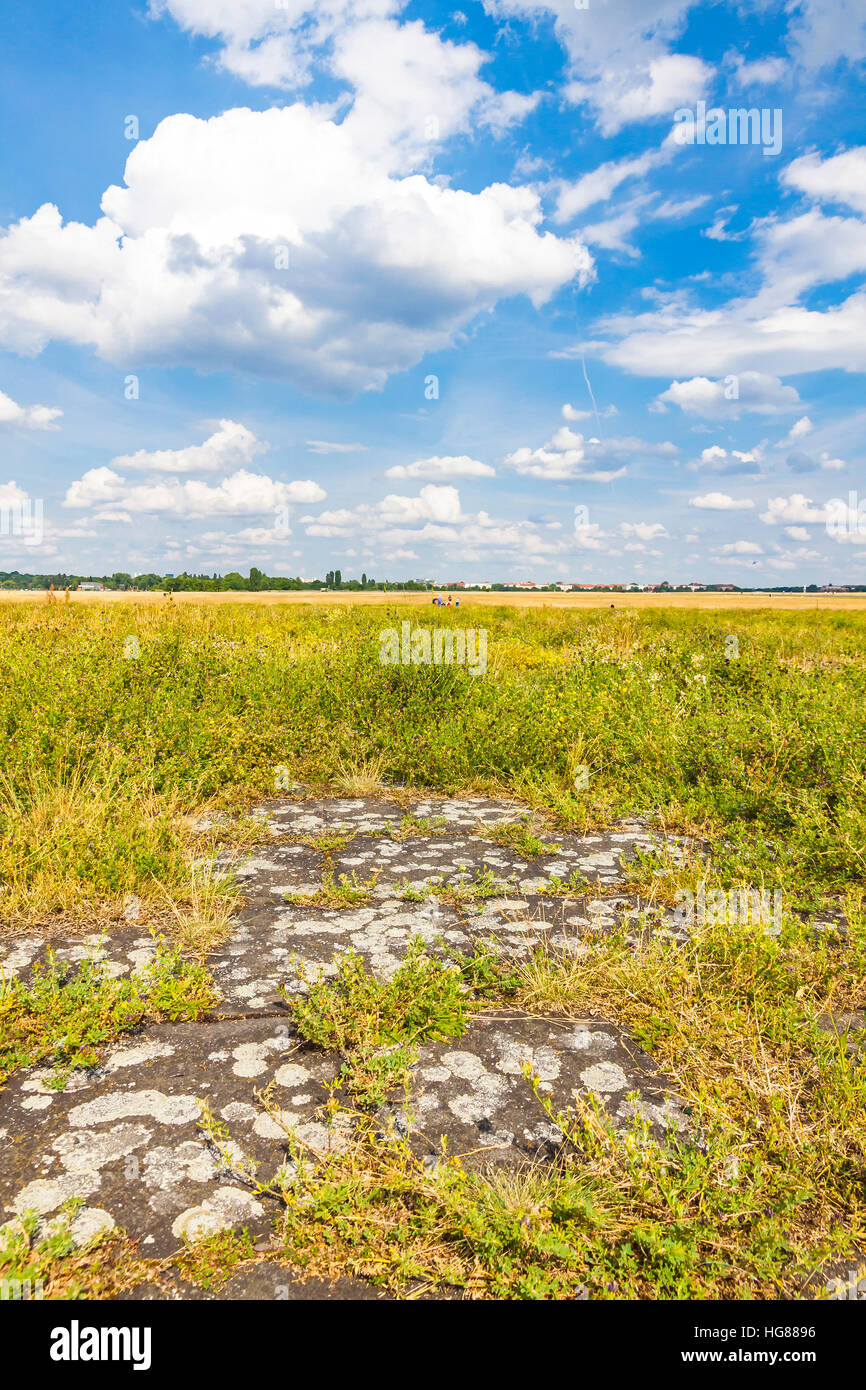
<point>124,1138</point>
<point>484,1092</point>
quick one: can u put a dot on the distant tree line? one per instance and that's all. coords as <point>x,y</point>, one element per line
<point>258,581</point>
<point>172,583</point>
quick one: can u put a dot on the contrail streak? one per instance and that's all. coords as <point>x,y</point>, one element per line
<point>591,396</point>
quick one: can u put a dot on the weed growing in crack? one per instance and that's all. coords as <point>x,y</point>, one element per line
<point>330,840</point>
<point>210,1261</point>
<point>555,887</point>
<point>68,1014</point>
<point>460,893</point>
<point>342,890</point>
<point>377,1025</point>
<point>519,836</point>
<point>411,826</point>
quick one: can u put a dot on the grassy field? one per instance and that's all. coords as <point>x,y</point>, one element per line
<point>122,722</point>
<point>794,602</point>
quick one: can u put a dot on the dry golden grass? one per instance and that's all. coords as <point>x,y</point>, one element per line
<point>361,777</point>
<point>802,602</point>
<point>204,921</point>
<point>50,827</point>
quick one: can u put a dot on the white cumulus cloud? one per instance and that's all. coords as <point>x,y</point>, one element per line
<point>28,417</point>
<point>230,447</point>
<point>721,502</point>
<point>755,392</point>
<point>241,494</point>
<point>278,242</point>
<point>460,466</point>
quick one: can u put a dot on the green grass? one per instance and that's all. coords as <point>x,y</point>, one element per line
<point>209,1262</point>
<point>556,887</point>
<point>766,752</point>
<point>377,1025</point>
<point>41,1260</point>
<point>519,836</point>
<point>411,826</point>
<point>337,890</point>
<point>464,892</point>
<point>68,1014</point>
<point>330,841</point>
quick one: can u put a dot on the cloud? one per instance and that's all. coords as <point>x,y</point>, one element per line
<point>599,184</point>
<point>796,508</point>
<point>762,72</point>
<point>619,61</point>
<point>281,243</point>
<point>591,536</point>
<point>252,537</point>
<point>844,520</point>
<point>230,447</point>
<point>394,555</point>
<point>721,502</point>
<point>440,505</point>
<point>716,459</point>
<point>325,446</point>
<point>570,456</point>
<point>741,548</point>
<point>613,233</point>
<point>771,329</point>
<point>265,43</point>
<point>823,31</point>
<point>242,494</point>
<point>642,530</point>
<point>435,516</point>
<point>635,93</point>
<point>28,417</point>
<point>795,338</point>
<point>719,229</point>
<point>411,87</point>
<point>798,430</point>
<point>753,392</point>
<point>432,504</point>
<point>566,456</point>
<point>840,179</point>
<point>446,467</point>
<point>798,462</point>
<point>13,496</point>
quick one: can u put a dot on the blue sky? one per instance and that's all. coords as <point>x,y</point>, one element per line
<point>491,293</point>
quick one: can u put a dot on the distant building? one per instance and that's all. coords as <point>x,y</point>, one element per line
<point>87,584</point>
